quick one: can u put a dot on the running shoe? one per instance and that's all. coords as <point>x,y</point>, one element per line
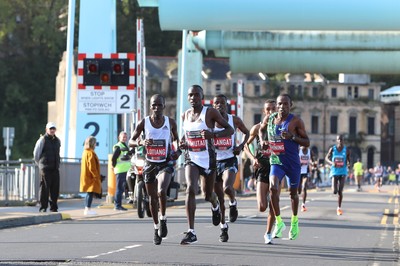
<point>268,238</point>
<point>216,216</point>
<point>339,211</point>
<point>189,238</point>
<point>163,228</point>
<point>120,208</point>
<point>233,213</point>
<point>223,237</point>
<point>279,228</point>
<point>157,239</point>
<point>88,212</point>
<point>294,230</point>
<point>303,208</point>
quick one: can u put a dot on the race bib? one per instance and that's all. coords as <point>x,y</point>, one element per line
<point>339,162</point>
<point>266,152</point>
<point>223,143</point>
<point>195,141</point>
<point>277,147</point>
<point>157,151</point>
<point>304,159</point>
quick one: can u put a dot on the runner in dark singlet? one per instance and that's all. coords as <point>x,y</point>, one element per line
<point>262,167</point>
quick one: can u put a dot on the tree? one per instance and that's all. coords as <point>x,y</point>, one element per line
<point>31,46</point>
<point>32,41</point>
<point>160,43</point>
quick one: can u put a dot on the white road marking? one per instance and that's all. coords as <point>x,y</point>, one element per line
<point>111,252</point>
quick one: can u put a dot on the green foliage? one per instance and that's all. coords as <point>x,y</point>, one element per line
<point>157,42</point>
<point>31,47</point>
<point>32,41</point>
<point>390,80</point>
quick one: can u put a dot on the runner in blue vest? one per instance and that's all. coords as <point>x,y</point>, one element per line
<point>286,132</point>
<point>339,158</point>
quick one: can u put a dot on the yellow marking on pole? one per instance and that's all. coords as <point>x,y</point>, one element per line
<point>396,200</point>
<point>385,216</point>
<point>390,200</point>
<point>396,216</point>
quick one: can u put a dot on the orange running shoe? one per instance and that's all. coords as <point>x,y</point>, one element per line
<point>303,208</point>
<point>339,211</point>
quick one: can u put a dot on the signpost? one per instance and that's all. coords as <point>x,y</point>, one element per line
<point>8,136</point>
<point>105,102</point>
<point>106,83</point>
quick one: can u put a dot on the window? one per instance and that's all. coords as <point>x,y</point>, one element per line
<point>234,88</point>
<point>371,126</point>
<point>292,90</point>
<point>257,90</point>
<point>333,92</point>
<point>353,126</point>
<point>334,125</point>
<point>217,88</point>
<point>370,157</point>
<point>355,92</point>
<point>314,124</point>
<point>300,91</point>
<point>371,94</point>
<point>158,87</point>
<point>173,88</point>
<point>391,126</point>
<point>315,92</point>
<point>349,93</point>
<point>257,118</point>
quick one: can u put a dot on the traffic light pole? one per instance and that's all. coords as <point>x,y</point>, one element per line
<point>68,74</point>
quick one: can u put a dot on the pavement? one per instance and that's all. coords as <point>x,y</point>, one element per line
<point>71,209</point>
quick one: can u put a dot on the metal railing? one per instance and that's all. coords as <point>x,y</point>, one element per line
<point>19,180</point>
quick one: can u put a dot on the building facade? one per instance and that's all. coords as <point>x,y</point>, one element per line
<point>350,105</point>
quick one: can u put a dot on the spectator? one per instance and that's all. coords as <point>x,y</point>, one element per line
<point>47,156</point>
<point>397,171</point>
<point>121,164</point>
<point>90,181</point>
<point>378,173</point>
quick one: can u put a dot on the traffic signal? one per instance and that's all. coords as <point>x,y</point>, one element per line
<point>105,71</point>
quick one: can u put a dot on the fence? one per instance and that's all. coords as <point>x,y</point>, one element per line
<point>19,180</point>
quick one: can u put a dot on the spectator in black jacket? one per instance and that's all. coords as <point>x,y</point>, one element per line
<point>47,156</point>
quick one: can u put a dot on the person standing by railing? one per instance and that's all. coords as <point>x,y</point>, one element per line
<point>47,156</point>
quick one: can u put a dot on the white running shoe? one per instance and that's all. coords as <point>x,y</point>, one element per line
<point>268,238</point>
<point>89,212</point>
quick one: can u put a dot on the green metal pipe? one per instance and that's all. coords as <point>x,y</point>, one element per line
<point>297,40</point>
<point>382,15</point>
<point>273,61</point>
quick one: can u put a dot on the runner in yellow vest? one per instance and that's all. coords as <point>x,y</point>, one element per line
<point>358,173</point>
